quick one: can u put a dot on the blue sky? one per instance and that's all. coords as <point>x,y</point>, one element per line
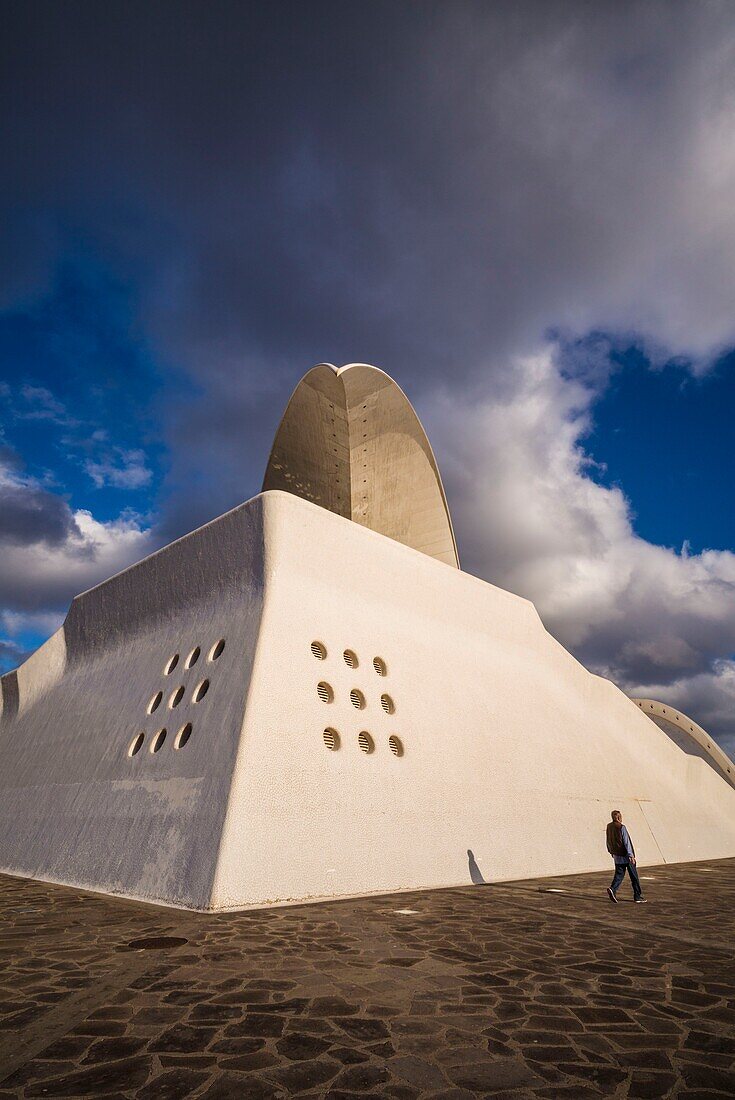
<point>82,388</point>
<point>522,211</point>
<point>665,436</point>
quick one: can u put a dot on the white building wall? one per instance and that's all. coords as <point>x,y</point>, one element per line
<point>74,806</point>
<point>512,749</point>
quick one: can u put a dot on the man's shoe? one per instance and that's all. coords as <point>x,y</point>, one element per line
<point>640,901</point>
<point>611,894</point>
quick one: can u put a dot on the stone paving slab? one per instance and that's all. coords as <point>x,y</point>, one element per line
<point>524,989</point>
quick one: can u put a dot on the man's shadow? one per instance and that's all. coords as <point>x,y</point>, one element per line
<point>475,872</point>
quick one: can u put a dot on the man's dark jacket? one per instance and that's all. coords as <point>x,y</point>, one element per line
<point>615,844</point>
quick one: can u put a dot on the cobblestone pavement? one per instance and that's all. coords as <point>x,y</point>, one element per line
<point>529,989</point>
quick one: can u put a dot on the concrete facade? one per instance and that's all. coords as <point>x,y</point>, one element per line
<point>350,441</point>
<point>343,714</point>
<point>689,736</point>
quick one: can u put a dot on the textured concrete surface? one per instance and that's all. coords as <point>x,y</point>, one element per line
<point>286,705</point>
<point>146,825</point>
<point>526,989</point>
<point>689,736</point>
<point>351,442</point>
<point>502,730</point>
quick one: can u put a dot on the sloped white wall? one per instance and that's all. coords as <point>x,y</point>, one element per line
<point>74,806</point>
<point>512,749</point>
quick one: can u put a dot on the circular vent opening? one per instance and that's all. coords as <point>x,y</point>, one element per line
<point>380,666</point>
<point>171,664</point>
<point>183,736</point>
<point>176,697</point>
<point>136,744</point>
<point>387,704</point>
<point>319,651</point>
<point>201,691</point>
<point>155,702</point>
<point>396,745</point>
<point>324,692</point>
<point>366,742</point>
<point>350,658</point>
<point>357,699</point>
<point>216,650</point>
<point>331,739</point>
<point>193,656</point>
<point>157,742</point>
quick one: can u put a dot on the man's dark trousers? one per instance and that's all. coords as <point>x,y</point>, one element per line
<point>620,875</point>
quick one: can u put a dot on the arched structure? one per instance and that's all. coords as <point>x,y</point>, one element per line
<point>689,736</point>
<point>350,441</point>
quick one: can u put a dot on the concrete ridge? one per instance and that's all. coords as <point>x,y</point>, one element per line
<point>351,442</point>
<point>654,708</point>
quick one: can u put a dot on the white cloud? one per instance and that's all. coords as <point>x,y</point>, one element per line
<point>39,403</point>
<point>531,520</point>
<point>122,469</point>
<point>16,623</point>
<point>708,697</point>
<point>39,576</point>
<point>50,553</point>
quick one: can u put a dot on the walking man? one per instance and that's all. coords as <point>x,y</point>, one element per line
<point>620,847</point>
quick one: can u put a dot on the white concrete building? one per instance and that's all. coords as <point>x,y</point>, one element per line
<point>306,698</point>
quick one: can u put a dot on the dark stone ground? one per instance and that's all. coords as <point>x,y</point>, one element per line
<point>503,990</point>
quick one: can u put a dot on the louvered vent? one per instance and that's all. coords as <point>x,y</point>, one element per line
<point>366,742</point>
<point>387,704</point>
<point>319,651</point>
<point>357,699</point>
<point>155,702</point>
<point>331,739</point>
<point>380,666</point>
<point>183,736</point>
<point>171,664</point>
<point>201,691</point>
<point>157,742</point>
<point>176,697</point>
<point>325,692</point>
<point>136,744</point>
<point>396,745</point>
<point>350,658</point>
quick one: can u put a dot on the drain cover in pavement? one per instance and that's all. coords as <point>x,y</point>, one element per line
<point>156,943</point>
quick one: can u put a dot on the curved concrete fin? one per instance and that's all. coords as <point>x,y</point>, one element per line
<point>690,735</point>
<point>351,442</point>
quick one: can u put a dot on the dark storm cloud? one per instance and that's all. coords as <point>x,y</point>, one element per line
<point>430,187</point>
<point>33,515</point>
<point>427,187</point>
<point>29,513</point>
<point>409,184</point>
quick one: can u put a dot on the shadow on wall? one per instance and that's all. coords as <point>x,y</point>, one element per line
<point>475,872</point>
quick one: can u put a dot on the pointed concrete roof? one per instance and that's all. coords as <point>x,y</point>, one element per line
<point>350,442</point>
